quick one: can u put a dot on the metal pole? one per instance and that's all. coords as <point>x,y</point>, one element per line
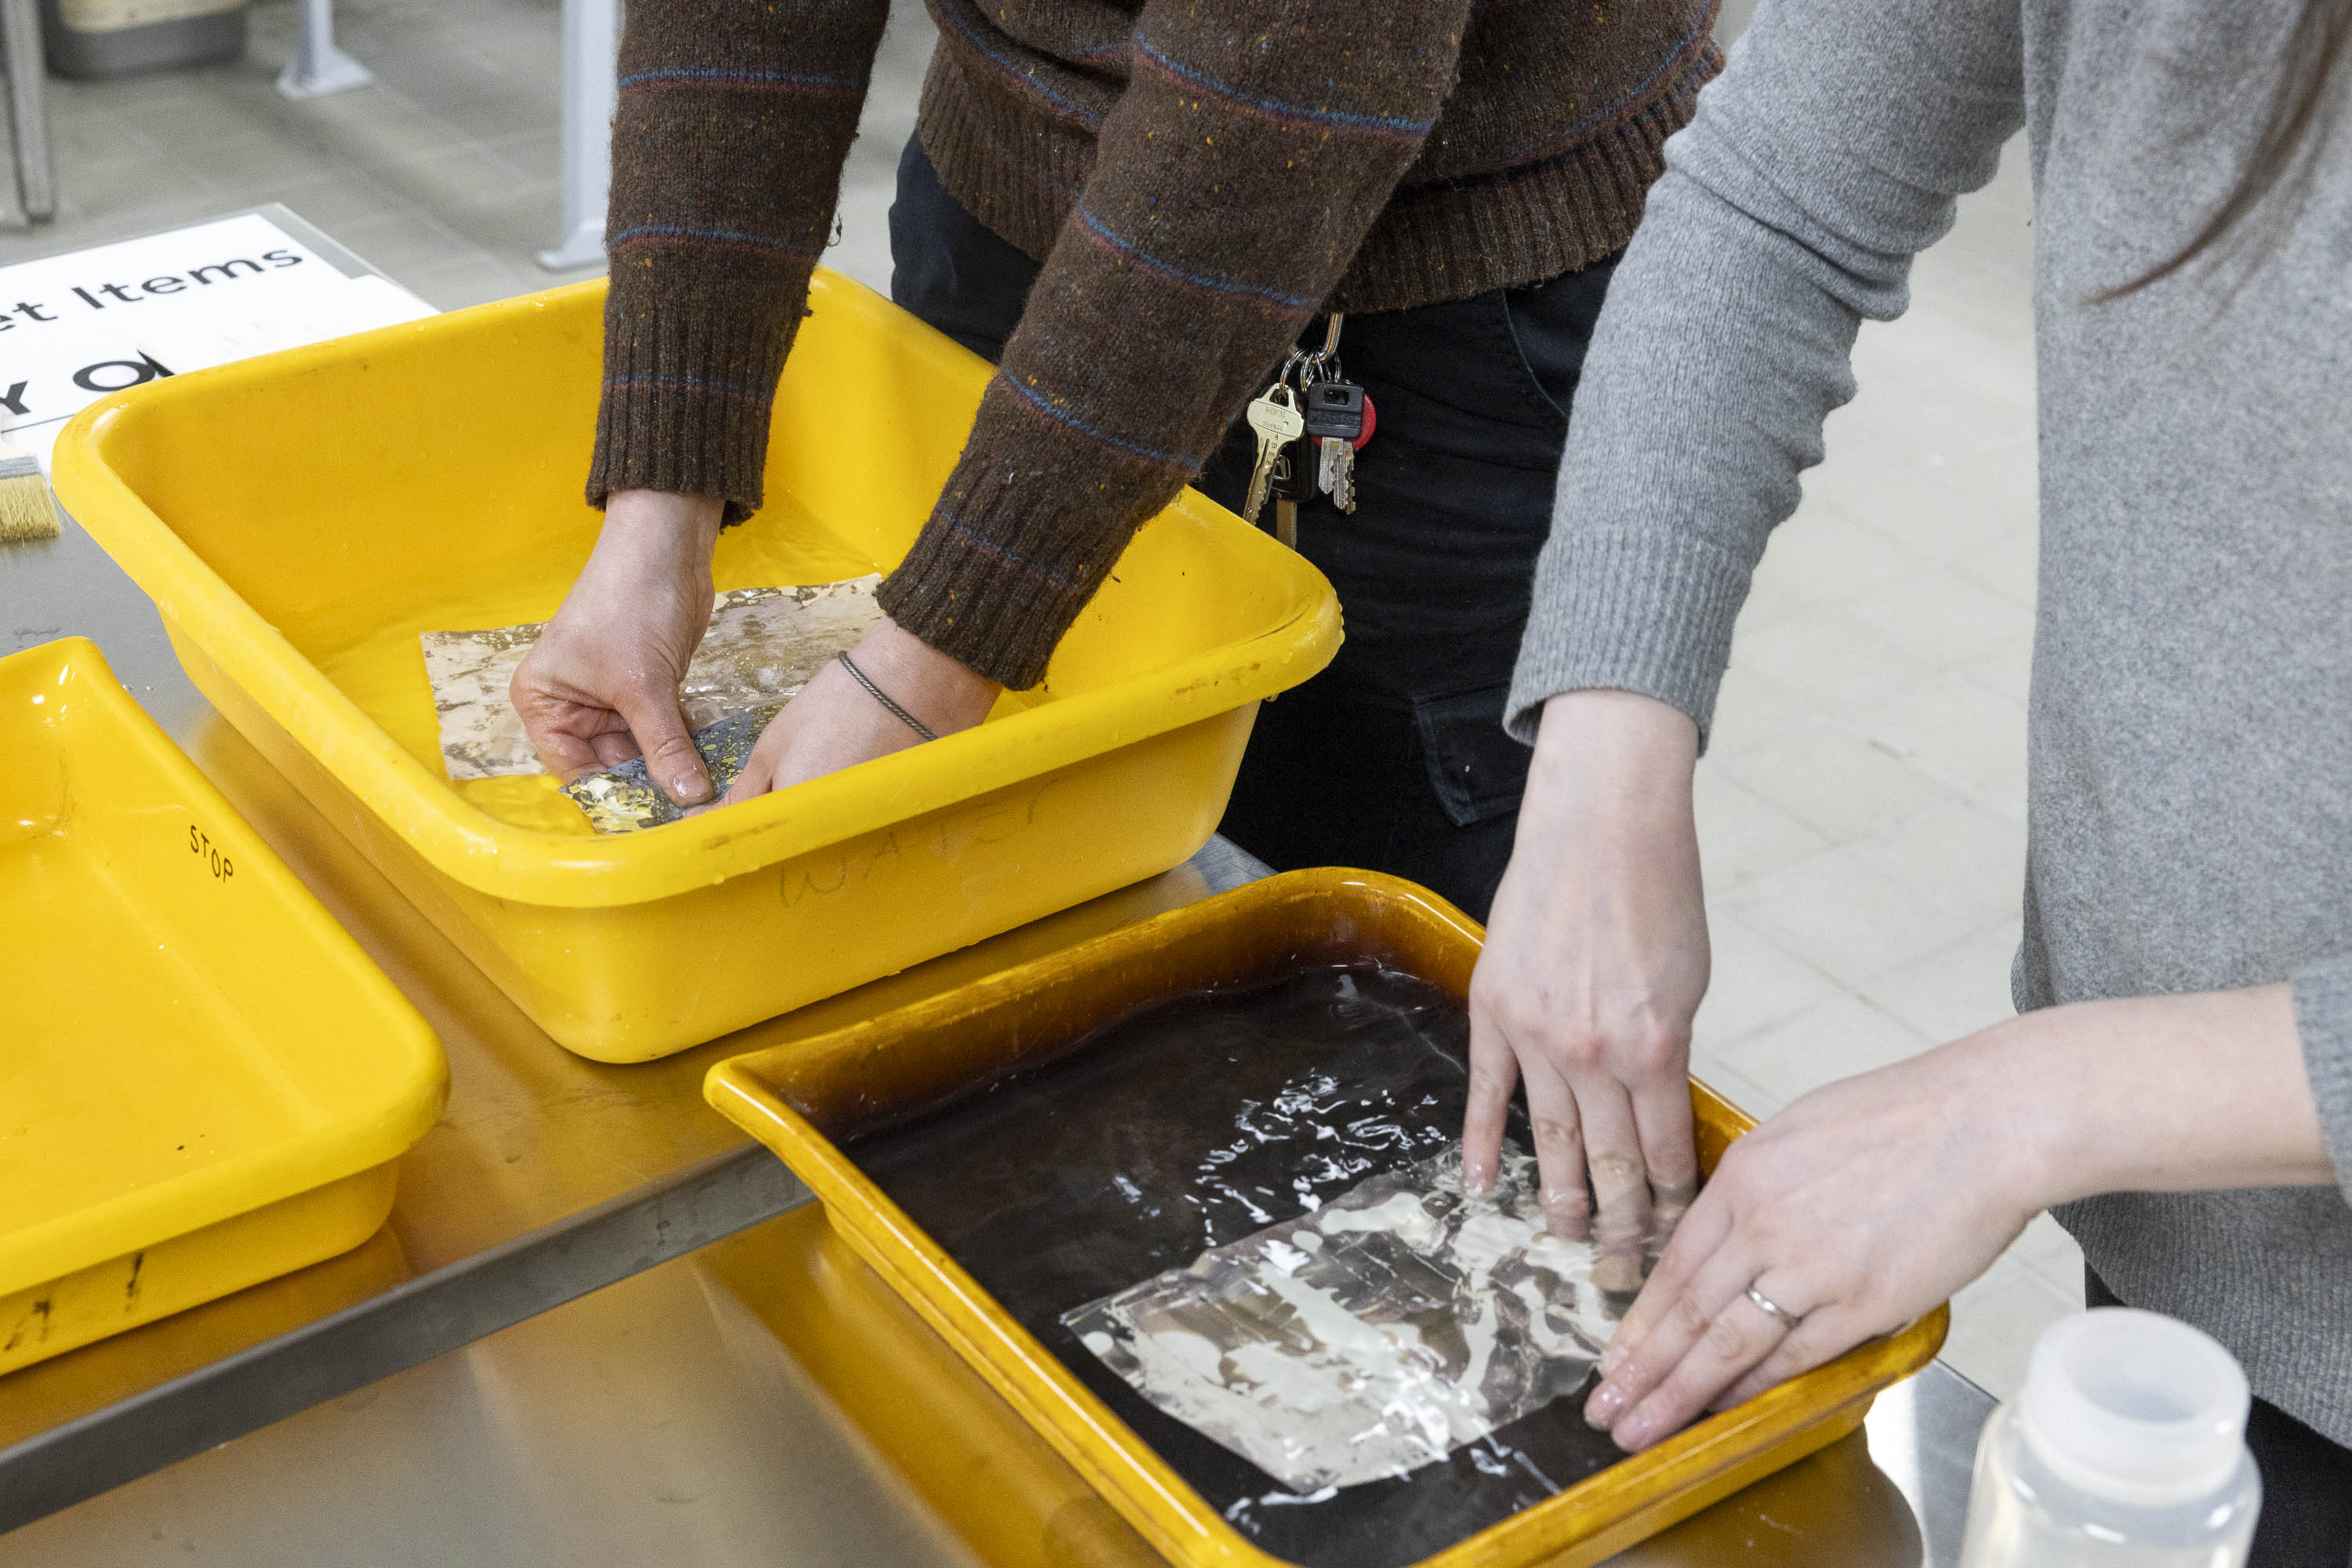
<point>20,29</point>
<point>591,44</point>
<point>318,67</point>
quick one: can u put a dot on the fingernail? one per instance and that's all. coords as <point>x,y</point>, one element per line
<point>688,790</point>
<point>1613,1357</point>
<point>1604,1406</point>
<point>1632,1435</point>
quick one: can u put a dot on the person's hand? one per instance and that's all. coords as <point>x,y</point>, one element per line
<point>1856,1210</point>
<point>1595,960</point>
<point>600,687</point>
<point>834,723</point>
<point>1868,1201</point>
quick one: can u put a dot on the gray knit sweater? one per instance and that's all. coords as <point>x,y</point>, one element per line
<point>2191,713</point>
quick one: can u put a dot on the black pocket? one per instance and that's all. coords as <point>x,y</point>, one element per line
<point>1551,326</point>
<point>1476,769</point>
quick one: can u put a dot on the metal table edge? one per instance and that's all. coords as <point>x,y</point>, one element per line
<point>408,1324</point>
<point>429,1315</point>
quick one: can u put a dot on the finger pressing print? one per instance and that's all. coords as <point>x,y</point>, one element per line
<point>1494,1073</point>
<point>1824,1335</point>
<point>1662,1111</point>
<point>1738,1338</point>
<point>1696,1240</point>
<point>671,761</point>
<point>1560,1151</point>
<point>611,748</point>
<point>759,775</point>
<point>754,780</point>
<point>1621,1184</point>
<point>1669,1201</point>
<point>1688,1317</point>
<point>562,728</point>
<point>566,754</point>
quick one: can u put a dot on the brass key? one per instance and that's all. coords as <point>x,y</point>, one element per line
<point>1274,417</point>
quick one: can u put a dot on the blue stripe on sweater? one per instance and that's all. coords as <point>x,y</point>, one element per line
<point>990,546</point>
<point>1083,428</point>
<point>757,80</point>
<point>1095,226</point>
<point>1014,68</point>
<point>707,235</point>
<point>1389,123</point>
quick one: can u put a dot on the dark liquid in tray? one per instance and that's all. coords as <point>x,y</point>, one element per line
<point>1196,1123</point>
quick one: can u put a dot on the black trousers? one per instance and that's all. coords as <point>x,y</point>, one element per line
<point>2306,1479</point>
<point>1394,758</point>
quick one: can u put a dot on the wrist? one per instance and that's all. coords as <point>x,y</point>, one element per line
<point>2013,1108</point>
<point>660,527</point>
<point>2192,1092</point>
<point>939,689</point>
<point>1614,749</point>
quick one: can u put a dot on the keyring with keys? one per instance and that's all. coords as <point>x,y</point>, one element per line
<point>1319,456</point>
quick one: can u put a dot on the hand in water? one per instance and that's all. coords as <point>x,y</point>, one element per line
<point>1868,1201</point>
<point>1595,962</point>
<point>600,687</point>
<point>1855,1211</point>
<point>835,723</point>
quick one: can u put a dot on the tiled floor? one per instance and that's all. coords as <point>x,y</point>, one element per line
<point>443,173</point>
<point>1862,809</point>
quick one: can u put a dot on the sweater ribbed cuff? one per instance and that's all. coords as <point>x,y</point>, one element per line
<point>1016,172</point>
<point>1453,238</point>
<point>986,581</point>
<point>1648,612</point>
<point>2323,1018</point>
<point>687,394</point>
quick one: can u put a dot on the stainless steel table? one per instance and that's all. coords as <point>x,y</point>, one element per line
<point>602,1327</point>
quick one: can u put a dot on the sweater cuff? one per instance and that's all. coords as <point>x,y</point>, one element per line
<point>686,401</point>
<point>2323,1017</point>
<point>999,574</point>
<point>1649,612</point>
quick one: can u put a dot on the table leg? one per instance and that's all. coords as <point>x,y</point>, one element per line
<point>20,36</point>
<point>318,67</point>
<point>591,41</point>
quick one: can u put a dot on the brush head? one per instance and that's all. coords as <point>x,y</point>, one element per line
<point>28,511</point>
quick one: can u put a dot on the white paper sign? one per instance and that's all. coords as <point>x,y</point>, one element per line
<point>74,328</point>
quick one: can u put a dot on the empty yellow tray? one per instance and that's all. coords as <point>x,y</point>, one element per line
<point>299,518</point>
<point>799,1098</point>
<point>204,1082</point>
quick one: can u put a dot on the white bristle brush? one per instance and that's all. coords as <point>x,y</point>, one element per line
<point>28,511</point>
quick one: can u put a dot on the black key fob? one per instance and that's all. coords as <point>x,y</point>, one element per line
<point>1333,408</point>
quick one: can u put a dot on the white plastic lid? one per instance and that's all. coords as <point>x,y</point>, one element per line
<point>2134,1408</point>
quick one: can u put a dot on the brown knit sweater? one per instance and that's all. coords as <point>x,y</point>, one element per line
<point>1199,177</point>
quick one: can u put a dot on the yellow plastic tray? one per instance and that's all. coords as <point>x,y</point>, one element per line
<point>204,1082</point>
<point>800,1099</point>
<point>299,518</point>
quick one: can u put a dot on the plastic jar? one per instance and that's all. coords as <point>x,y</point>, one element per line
<point>2125,1448</point>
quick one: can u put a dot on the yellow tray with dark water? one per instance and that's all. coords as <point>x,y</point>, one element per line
<point>817,1102</point>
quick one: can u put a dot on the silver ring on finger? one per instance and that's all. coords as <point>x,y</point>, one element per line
<point>1773,1309</point>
